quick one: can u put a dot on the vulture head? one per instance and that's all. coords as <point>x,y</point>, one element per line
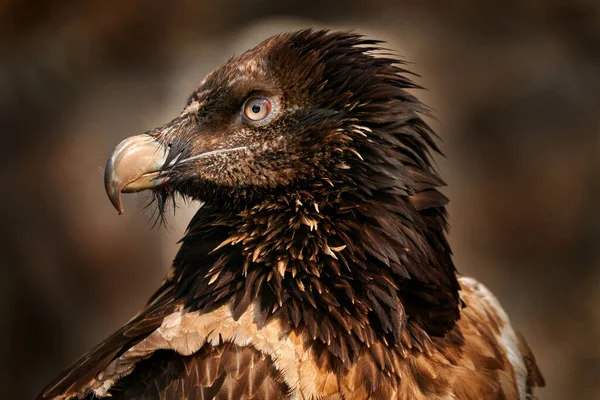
<point>320,200</point>
<point>296,110</point>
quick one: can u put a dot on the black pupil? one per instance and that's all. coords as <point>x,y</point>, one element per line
<point>255,108</point>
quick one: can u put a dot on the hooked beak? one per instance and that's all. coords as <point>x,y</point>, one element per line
<point>134,165</point>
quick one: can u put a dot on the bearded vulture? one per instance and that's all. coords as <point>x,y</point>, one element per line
<point>318,265</point>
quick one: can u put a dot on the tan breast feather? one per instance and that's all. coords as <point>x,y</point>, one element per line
<point>193,355</point>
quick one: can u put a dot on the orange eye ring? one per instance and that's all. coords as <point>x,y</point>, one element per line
<point>257,108</point>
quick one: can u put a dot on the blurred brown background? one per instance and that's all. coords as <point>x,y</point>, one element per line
<point>515,84</point>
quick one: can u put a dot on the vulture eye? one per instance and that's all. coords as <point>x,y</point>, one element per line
<point>257,108</point>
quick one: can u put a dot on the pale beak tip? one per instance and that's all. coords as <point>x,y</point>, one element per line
<point>113,187</point>
<point>114,195</point>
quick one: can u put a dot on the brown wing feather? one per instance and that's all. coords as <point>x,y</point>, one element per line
<point>75,380</point>
<point>223,372</point>
<point>534,375</point>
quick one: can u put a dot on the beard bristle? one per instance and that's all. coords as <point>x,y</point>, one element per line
<point>160,201</point>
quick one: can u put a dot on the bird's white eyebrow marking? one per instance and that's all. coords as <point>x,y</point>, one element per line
<point>248,70</point>
<point>251,66</point>
<point>213,152</point>
<point>192,108</point>
<point>195,105</point>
